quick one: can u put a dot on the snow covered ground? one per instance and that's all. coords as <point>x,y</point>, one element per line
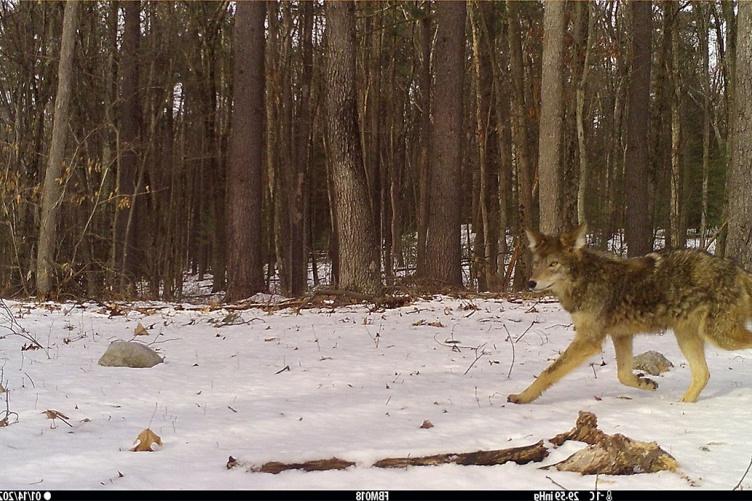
<point>346,383</point>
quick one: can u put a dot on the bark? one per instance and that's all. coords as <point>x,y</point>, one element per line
<point>52,191</point>
<point>443,252</point>
<point>244,194</point>
<point>551,119</point>
<point>739,243</point>
<point>638,232</point>
<point>358,247</point>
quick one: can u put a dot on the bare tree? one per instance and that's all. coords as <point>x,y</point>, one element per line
<point>637,228</point>
<point>424,159</point>
<point>126,238</point>
<point>443,238</point>
<point>244,259</point>
<point>551,120</point>
<point>584,28</point>
<point>357,238</point>
<point>739,244</point>
<point>52,191</point>
<point>520,142</point>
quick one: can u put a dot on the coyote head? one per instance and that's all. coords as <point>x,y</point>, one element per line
<point>553,256</point>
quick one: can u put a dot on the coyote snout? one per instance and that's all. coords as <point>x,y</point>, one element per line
<point>699,296</point>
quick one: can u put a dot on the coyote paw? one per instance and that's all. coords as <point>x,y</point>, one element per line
<point>519,398</point>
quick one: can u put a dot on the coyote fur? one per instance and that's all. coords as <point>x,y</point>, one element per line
<point>702,298</point>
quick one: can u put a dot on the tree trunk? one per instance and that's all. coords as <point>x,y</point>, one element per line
<point>505,148</point>
<point>637,230</point>
<point>551,119</point>
<point>52,191</point>
<point>484,38</point>
<point>424,158</point>
<point>703,16</point>
<point>739,243</point>
<point>520,140</point>
<point>298,253</point>
<point>358,247</point>
<point>678,233</point>
<point>126,237</point>
<point>244,257</point>
<point>443,251</point>
<point>585,22</point>
<point>729,64</point>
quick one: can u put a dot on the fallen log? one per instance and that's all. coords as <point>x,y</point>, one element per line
<point>275,467</point>
<point>520,455</point>
<point>605,454</point>
<point>610,454</point>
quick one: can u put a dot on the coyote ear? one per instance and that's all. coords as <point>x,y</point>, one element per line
<point>534,238</point>
<point>577,238</point>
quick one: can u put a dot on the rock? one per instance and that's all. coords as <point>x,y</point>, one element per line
<point>651,362</point>
<point>129,354</point>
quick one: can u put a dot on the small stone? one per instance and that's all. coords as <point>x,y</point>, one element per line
<point>129,354</point>
<point>652,362</point>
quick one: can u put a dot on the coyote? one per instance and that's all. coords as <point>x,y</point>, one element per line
<point>699,296</point>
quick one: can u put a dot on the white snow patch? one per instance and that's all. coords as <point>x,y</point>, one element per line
<point>348,383</point>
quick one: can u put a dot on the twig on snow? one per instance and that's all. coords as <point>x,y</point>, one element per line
<point>477,356</point>
<point>556,483</point>
<point>526,331</point>
<point>511,342</point>
<point>743,476</point>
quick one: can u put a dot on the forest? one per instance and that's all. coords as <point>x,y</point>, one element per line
<point>362,145</point>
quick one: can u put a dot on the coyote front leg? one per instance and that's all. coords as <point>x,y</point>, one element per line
<point>576,353</point>
<point>623,348</point>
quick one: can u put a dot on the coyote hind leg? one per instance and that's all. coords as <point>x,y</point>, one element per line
<point>693,348</point>
<point>623,348</point>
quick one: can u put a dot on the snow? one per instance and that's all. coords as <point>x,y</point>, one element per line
<point>358,387</point>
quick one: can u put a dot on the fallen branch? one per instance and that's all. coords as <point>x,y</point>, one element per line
<point>520,455</point>
<point>316,465</point>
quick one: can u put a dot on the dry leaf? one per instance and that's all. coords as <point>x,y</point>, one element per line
<point>145,440</point>
<point>426,424</point>
<point>141,330</point>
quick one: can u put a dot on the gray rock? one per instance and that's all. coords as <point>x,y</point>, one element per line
<point>652,362</point>
<point>129,354</point>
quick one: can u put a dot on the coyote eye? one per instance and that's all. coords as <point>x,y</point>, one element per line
<point>553,264</point>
